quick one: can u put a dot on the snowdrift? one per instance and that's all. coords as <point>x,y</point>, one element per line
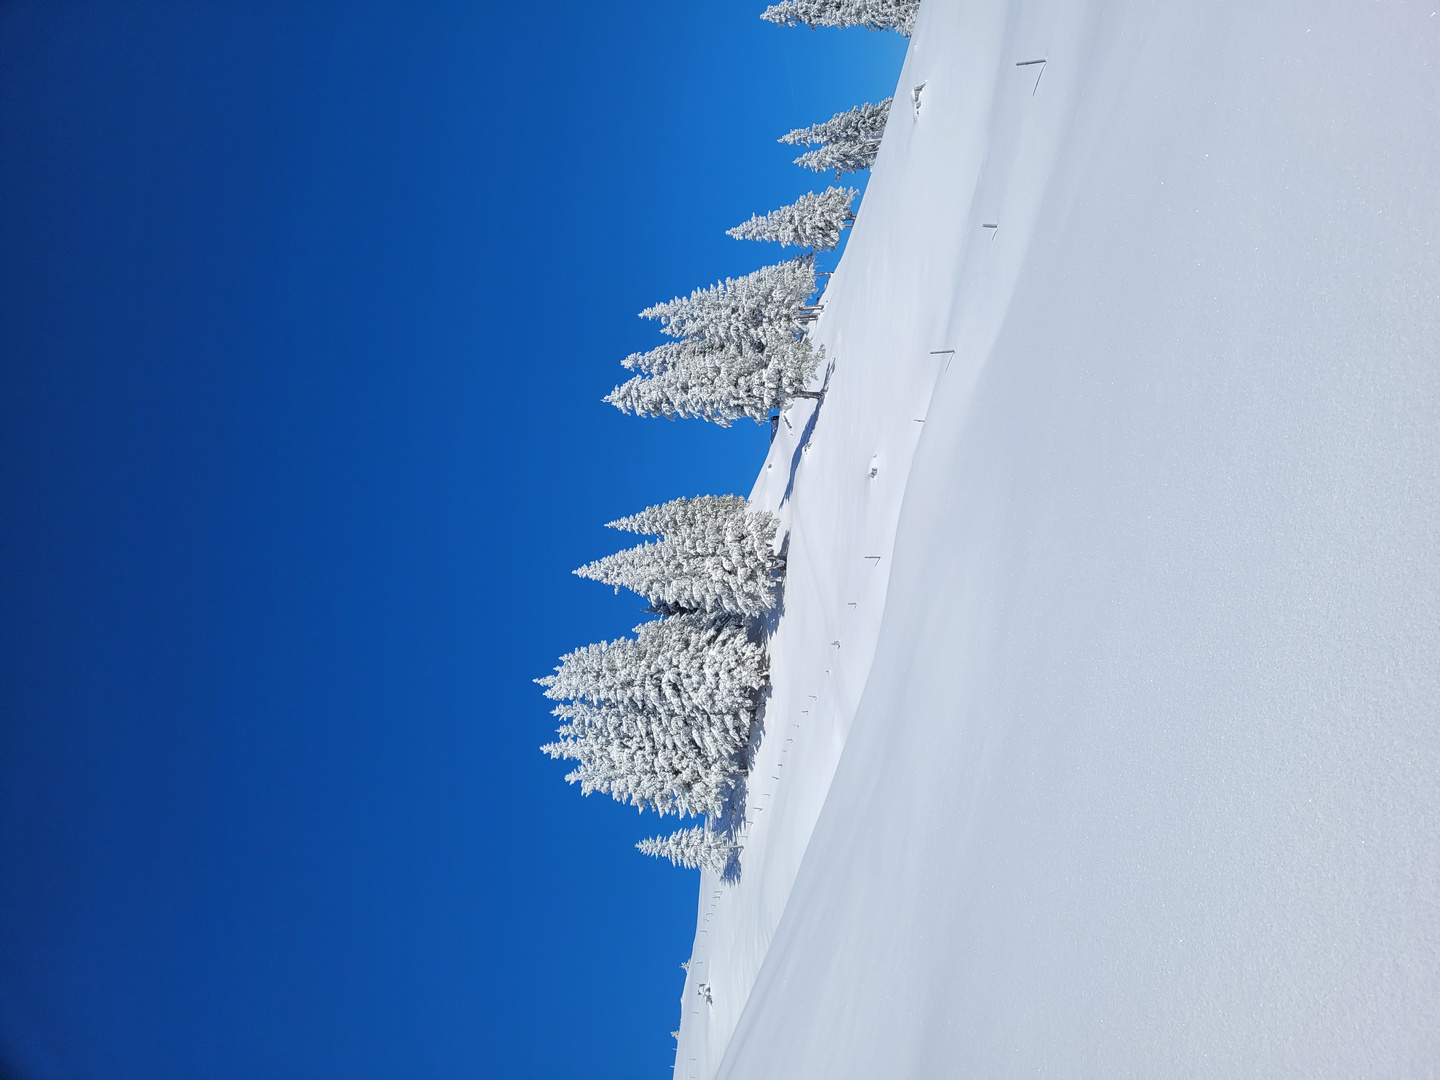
<point>1105,728</point>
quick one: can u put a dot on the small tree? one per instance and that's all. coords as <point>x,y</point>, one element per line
<point>812,221</point>
<point>847,142</point>
<point>694,849</point>
<point>898,15</point>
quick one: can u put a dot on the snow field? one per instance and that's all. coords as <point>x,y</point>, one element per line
<point>884,354</point>
<point>1126,761</point>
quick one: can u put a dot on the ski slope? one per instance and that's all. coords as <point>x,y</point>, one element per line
<point>1104,737</point>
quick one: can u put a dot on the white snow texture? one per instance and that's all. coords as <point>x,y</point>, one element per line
<point>1104,736</point>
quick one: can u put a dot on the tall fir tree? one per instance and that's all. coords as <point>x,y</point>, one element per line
<point>898,15</point>
<point>742,351</point>
<point>655,360</point>
<point>726,384</point>
<point>642,759</point>
<point>847,142</point>
<point>715,555</point>
<point>679,515</point>
<point>747,309</point>
<point>691,665</point>
<point>812,221</point>
<point>663,719</point>
<point>695,848</point>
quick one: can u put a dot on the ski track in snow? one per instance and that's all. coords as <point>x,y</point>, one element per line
<point>1103,733</point>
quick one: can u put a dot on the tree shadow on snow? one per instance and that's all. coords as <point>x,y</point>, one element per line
<point>806,434</point>
<point>732,819</point>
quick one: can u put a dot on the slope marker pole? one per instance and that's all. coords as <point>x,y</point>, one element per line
<point>1027,63</point>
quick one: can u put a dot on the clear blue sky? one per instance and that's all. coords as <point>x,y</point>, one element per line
<point>306,312</point>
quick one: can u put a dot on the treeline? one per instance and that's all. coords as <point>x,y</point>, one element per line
<point>664,720</point>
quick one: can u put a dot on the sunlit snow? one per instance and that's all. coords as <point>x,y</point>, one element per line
<point>1104,737</point>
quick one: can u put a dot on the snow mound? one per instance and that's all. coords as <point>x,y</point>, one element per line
<point>1104,736</point>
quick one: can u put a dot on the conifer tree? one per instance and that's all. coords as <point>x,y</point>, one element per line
<point>742,350</point>
<point>663,719</point>
<point>724,385</point>
<point>847,142</point>
<point>812,221</point>
<point>715,555</point>
<point>669,518</point>
<point>898,15</point>
<point>655,360</point>
<point>694,849</point>
<point>640,759</point>
<point>746,309</point>
<point>692,665</point>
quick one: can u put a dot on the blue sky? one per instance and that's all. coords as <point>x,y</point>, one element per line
<point>306,312</point>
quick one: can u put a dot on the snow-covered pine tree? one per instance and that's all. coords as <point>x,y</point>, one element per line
<point>812,221</point>
<point>655,360</point>
<point>744,309</point>
<point>898,15</point>
<point>678,515</point>
<point>685,666</point>
<point>724,385</point>
<point>742,349</point>
<point>631,755</point>
<point>715,555</point>
<point>641,759</point>
<point>847,142</point>
<point>694,849</point>
<point>663,719</point>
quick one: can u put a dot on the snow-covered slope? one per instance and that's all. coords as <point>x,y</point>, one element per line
<point>1123,757</point>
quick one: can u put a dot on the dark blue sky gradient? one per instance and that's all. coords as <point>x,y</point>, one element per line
<point>305,316</point>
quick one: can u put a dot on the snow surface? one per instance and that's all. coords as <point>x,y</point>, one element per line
<point>1123,757</point>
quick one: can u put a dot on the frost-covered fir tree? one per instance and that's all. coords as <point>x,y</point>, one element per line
<point>671,518</point>
<point>812,221</point>
<point>725,384</point>
<point>773,299</point>
<point>715,555</point>
<point>847,142</point>
<point>691,665</point>
<point>695,849</point>
<point>655,360</point>
<point>638,758</point>
<point>742,350</point>
<point>663,719</point>
<point>896,15</point>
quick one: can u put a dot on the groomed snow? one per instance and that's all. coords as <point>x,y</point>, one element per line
<point>1123,757</point>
